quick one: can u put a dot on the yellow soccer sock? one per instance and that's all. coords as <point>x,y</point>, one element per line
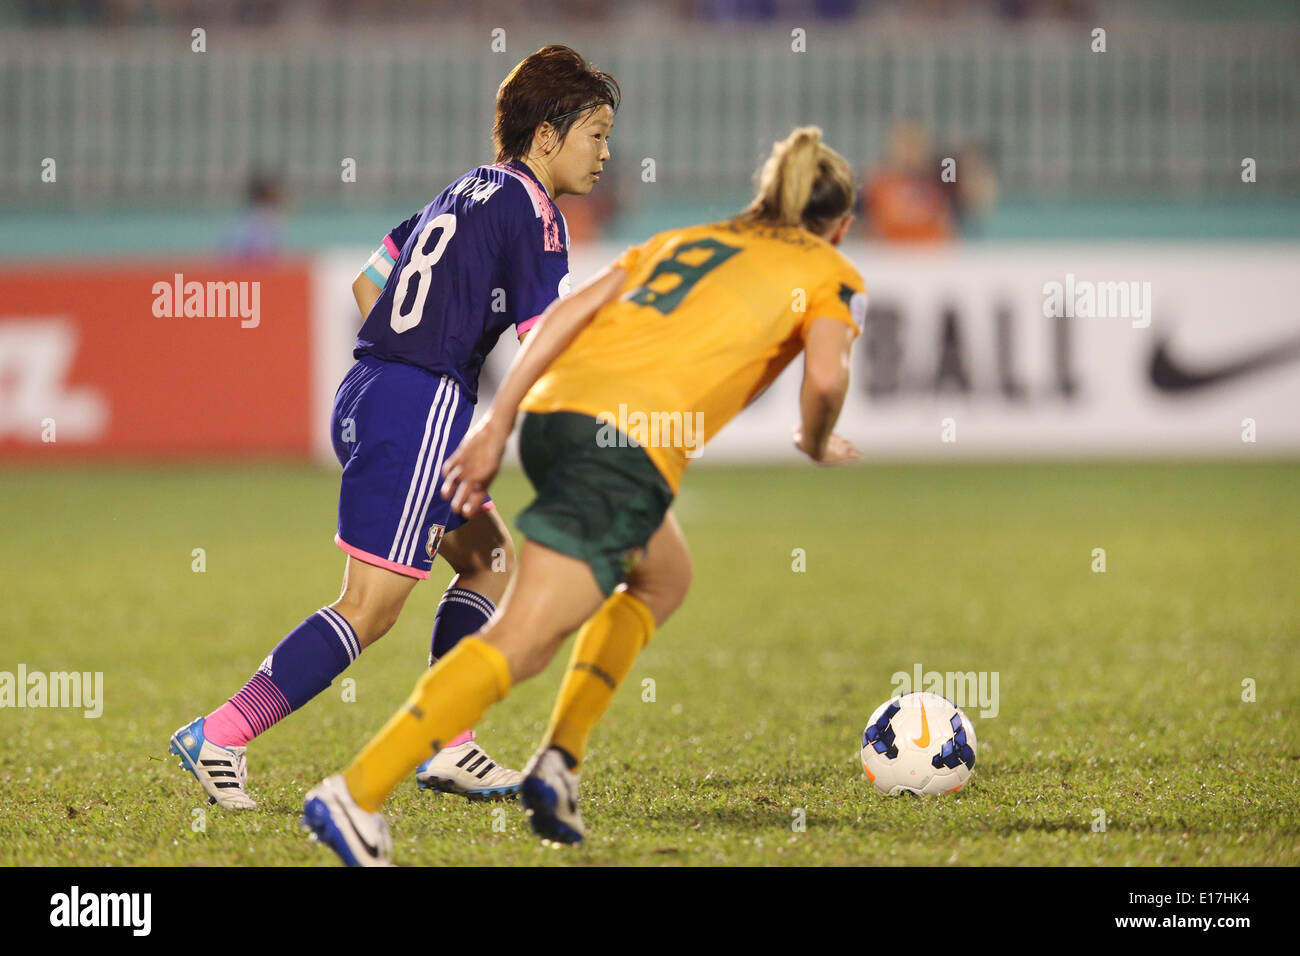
<point>602,656</point>
<point>449,699</point>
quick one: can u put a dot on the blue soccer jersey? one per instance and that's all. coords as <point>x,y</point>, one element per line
<point>490,252</point>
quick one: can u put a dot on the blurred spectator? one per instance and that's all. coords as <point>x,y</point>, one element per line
<point>260,233</point>
<point>903,200</point>
<point>976,189</point>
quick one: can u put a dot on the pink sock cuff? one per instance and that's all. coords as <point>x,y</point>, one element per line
<point>226,727</point>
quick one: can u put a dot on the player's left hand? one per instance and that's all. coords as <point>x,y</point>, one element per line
<point>471,468</point>
<point>838,450</point>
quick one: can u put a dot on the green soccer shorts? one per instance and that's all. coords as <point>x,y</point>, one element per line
<point>597,502</point>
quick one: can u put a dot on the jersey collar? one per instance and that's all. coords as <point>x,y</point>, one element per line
<point>522,167</point>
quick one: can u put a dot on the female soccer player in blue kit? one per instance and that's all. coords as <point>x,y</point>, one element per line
<point>490,252</point>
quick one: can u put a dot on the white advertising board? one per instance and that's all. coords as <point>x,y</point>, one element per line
<point>995,350</point>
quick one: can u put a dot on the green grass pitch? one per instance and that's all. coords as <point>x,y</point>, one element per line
<point>1119,692</point>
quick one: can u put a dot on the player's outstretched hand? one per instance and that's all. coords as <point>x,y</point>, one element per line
<point>471,468</point>
<point>838,450</point>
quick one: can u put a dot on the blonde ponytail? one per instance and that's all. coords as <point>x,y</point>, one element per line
<point>803,183</point>
<point>796,171</point>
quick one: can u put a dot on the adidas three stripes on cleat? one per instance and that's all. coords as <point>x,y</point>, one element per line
<point>221,771</point>
<point>466,770</point>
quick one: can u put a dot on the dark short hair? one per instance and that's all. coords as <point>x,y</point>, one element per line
<point>554,85</point>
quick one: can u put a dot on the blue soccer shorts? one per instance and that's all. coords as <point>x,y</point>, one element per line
<point>393,427</point>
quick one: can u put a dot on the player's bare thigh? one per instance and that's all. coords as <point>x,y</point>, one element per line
<point>550,596</point>
<point>482,554</point>
<point>662,578</point>
<point>553,594</point>
<point>372,599</point>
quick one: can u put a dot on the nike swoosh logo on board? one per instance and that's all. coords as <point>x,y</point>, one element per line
<point>1167,376</point>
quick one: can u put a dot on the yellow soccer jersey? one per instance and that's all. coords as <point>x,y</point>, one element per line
<point>707,318</point>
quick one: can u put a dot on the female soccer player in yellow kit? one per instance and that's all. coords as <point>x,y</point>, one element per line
<point>669,343</point>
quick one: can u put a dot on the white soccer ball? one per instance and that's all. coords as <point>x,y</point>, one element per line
<point>919,744</point>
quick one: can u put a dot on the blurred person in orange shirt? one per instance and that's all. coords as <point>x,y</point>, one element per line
<point>903,200</point>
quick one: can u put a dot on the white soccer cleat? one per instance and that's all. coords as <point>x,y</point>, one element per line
<point>550,797</point>
<point>221,771</point>
<point>466,770</point>
<point>334,818</point>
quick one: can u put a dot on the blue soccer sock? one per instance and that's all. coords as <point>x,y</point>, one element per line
<point>460,612</point>
<point>301,666</point>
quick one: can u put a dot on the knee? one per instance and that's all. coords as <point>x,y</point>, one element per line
<point>370,620</point>
<point>531,660</point>
<point>664,592</point>
<point>500,558</point>
<point>526,654</point>
<point>492,554</point>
